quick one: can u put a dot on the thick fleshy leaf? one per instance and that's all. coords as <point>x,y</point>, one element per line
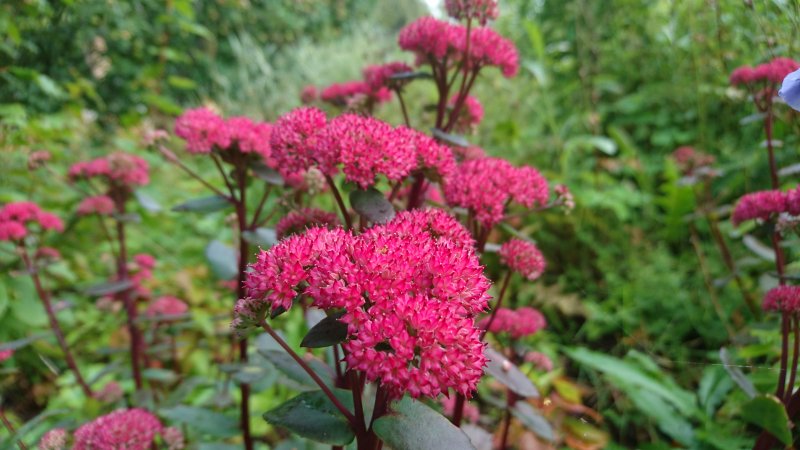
<point>480,438</point>
<point>222,259</point>
<point>412,425</point>
<point>268,174</point>
<point>204,204</point>
<point>372,205</point>
<point>262,237</point>
<point>767,412</point>
<point>108,288</point>
<point>508,374</point>
<point>313,415</point>
<point>329,331</point>
<point>449,138</point>
<point>147,201</point>
<point>269,349</point>
<point>205,421</point>
<point>533,421</point>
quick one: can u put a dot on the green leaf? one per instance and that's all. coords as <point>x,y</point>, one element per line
<point>108,288</point>
<point>262,237</point>
<point>181,82</point>
<point>713,387</point>
<point>222,259</point>
<point>313,415</point>
<point>534,421</point>
<point>205,421</point>
<point>411,425</point>
<point>162,375</point>
<point>48,86</point>
<point>329,331</point>
<point>449,138</point>
<point>372,205</point>
<point>508,374</point>
<point>147,201</point>
<point>4,300</point>
<point>601,143</point>
<point>162,103</point>
<point>767,412</point>
<point>736,374</point>
<point>204,204</point>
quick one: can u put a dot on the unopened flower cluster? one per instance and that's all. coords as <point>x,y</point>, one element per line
<point>409,290</point>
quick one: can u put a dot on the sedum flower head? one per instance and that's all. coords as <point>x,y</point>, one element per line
<point>131,429</point>
<point>98,204</point>
<point>202,129</point>
<point>772,72</point>
<point>295,142</point>
<point>166,307</point>
<point>380,76</point>
<point>522,257</point>
<point>409,289</point>
<point>488,48</point>
<point>119,169</point>
<point>297,222</point>
<point>486,185</point>
<point>16,217</point>
<point>782,298</point>
<point>759,205</point>
<point>55,439</point>
<point>470,115</point>
<point>517,323</point>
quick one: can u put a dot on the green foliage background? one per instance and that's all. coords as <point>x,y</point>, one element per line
<point>608,89</point>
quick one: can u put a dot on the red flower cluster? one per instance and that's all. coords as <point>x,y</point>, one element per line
<point>522,257</point>
<point>119,169</point>
<point>440,42</point>
<point>480,10</point>
<point>15,218</point>
<point>205,131</point>
<point>409,290</point>
<point>297,222</point>
<point>764,205</point>
<point>517,323</point>
<point>486,185</point>
<point>131,429</point>
<point>782,298</point>
<point>772,72</point>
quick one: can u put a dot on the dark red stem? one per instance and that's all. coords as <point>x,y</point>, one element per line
<point>339,202</point>
<point>241,216</point>
<point>498,304</point>
<point>128,302</point>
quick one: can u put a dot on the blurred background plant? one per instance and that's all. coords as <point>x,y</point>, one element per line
<point>607,91</point>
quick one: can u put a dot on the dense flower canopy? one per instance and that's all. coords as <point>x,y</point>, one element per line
<point>409,290</point>
<point>205,131</point>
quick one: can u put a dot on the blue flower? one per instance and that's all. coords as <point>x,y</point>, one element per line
<point>790,90</point>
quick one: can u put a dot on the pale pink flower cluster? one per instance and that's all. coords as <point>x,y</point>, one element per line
<point>470,115</point>
<point>764,205</point>
<point>297,222</point>
<point>119,169</point>
<point>517,323</point>
<point>173,437</point>
<point>98,204</point>
<point>131,429</point>
<point>772,72</point>
<point>440,42</point>
<point>410,290</point>
<point>16,217</point>
<point>480,10</point>
<point>782,298</point>
<point>204,131</point>
<point>166,307</point>
<point>564,197</point>
<point>486,185</point>
<point>365,147</point>
<point>55,439</point>
<point>522,257</point>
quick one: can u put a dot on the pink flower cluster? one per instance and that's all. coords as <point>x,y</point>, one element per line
<point>205,131</point>
<point>297,222</point>
<point>480,10</point>
<point>166,306</point>
<point>347,93</point>
<point>380,76</point>
<point>486,185</point>
<point>688,159</point>
<point>517,323</point>
<point>470,115</point>
<point>6,354</point>
<point>763,205</point>
<point>440,42</point>
<point>410,290</point>
<point>365,147</point>
<point>118,168</point>
<point>772,72</point>
<point>131,429</point>
<point>782,298</point>
<point>98,204</point>
<point>540,360</point>
<point>16,217</point>
<point>522,257</point>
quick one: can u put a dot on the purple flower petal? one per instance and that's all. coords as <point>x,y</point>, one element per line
<point>790,90</point>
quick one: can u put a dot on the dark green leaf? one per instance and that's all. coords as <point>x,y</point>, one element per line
<point>203,420</point>
<point>313,415</point>
<point>222,259</point>
<point>407,76</point>
<point>534,421</point>
<point>411,425</point>
<point>767,412</point>
<point>262,237</point>
<point>713,387</point>
<point>108,288</point>
<point>372,205</point>
<point>329,331</point>
<point>267,174</point>
<point>162,375</point>
<point>508,374</point>
<point>449,138</point>
<point>204,204</point>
